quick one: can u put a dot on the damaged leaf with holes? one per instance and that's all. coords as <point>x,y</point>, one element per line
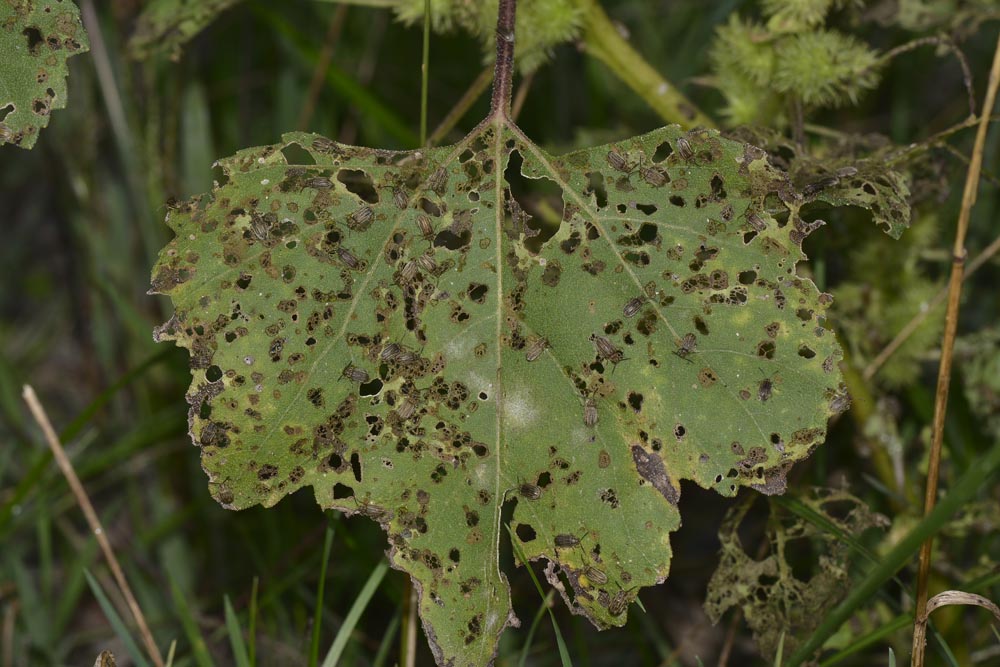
<point>165,26</point>
<point>778,605</point>
<point>423,337</point>
<point>36,39</point>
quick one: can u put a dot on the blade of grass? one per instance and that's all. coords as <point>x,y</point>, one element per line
<point>878,634</point>
<point>560,643</point>
<point>358,608</point>
<point>388,639</point>
<point>38,469</point>
<point>199,649</point>
<point>116,621</point>
<point>901,621</point>
<point>72,586</point>
<point>371,107</point>
<point>318,616</point>
<point>964,489</point>
<point>546,601</point>
<point>781,649</point>
<point>236,640</point>
<point>38,412</point>
<point>253,622</point>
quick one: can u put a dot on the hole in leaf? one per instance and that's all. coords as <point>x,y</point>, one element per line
<point>525,533</point>
<point>452,241</point>
<point>595,186</point>
<point>219,175</point>
<point>806,352</point>
<point>647,233</point>
<point>356,466</point>
<point>477,292</point>
<point>34,37</point>
<point>296,154</point>
<point>213,374</point>
<point>342,491</point>
<point>370,388</point>
<point>359,183</point>
<point>544,480</point>
<point>430,208</point>
<point>540,198</point>
<point>663,151</point>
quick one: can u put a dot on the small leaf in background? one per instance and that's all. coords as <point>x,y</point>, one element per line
<point>36,39</point>
<point>779,607</point>
<point>165,26</point>
<point>980,356</point>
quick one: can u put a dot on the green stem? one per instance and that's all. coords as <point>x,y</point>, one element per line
<point>603,41</point>
<point>425,71</point>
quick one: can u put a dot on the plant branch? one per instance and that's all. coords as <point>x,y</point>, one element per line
<point>333,31</point>
<point>425,72</point>
<point>503,72</point>
<point>947,43</point>
<point>872,368</point>
<point>461,107</point>
<point>602,40</point>
<point>947,351</point>
<point>522,95</point>
<point>38,412</point>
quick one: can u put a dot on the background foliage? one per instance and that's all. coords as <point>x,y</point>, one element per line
<point>83,220</point>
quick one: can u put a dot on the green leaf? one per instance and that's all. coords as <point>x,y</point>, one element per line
<point>36,39</point>
<point>165,26</point>
<point>421,337</point>
<point>869,184</point>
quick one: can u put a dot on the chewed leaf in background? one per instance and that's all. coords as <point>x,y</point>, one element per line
<point>420,342</point>
<point>165,26</point>
<point>36,39</point>
<point>778,606</point>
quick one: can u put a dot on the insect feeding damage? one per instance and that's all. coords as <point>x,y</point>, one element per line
<point>374,325</point>
<point>36,38</point>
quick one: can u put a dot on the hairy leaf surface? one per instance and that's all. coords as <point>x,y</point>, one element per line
<point>36,39</point>
<point>398,332</point>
